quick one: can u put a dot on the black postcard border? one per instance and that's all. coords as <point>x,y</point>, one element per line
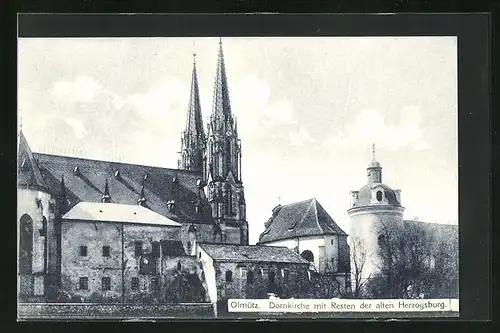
<point>473,31</point>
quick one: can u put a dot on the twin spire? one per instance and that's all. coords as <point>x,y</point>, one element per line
<point>193,138</point>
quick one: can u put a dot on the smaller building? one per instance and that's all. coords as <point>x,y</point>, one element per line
<point>252,271</point>
<point>309,230</point>
<point>126,253</point>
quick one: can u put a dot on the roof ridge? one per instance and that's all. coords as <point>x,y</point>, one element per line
<point>114,162</point>
<point>315,204</point>
<point>298,202</point>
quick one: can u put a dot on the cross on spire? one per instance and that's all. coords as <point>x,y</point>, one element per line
<point>373,151</point>
<point>20,123</point>
<point>279,200</point>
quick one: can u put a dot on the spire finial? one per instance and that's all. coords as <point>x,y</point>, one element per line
<point>373,150</point>
<point>194,52</point>
<point>279,200</point>
<point>220,41</point>
<point>20,123</point>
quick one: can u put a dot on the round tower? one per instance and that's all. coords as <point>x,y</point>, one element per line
<point>373,210</point>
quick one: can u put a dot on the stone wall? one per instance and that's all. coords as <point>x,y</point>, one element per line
<point>31,311</point>
<point>290,280</point>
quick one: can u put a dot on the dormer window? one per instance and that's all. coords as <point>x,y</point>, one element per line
<point>171,206</point>
<point>117,174</point>
<point>146,177</point>
<point>76,171</point>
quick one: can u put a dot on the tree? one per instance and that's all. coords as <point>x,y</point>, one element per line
<point>358,259</point>
<point>414,262</point>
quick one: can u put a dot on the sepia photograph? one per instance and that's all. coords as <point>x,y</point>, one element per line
<point>235,177</point>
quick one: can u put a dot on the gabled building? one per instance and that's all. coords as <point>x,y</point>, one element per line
<point>308,229</point>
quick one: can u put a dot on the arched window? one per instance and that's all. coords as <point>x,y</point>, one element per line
<point>228,153</point>
<point>43,231</point>
<point>229,276</point>
<point>379,196</point>
<point>307,255</point>
<point>25,244</point>
<point>250,277</point>
<point>381,240</point>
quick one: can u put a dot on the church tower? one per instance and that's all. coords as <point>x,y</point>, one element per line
<point>223,164</point>
<point>193,138</point>
<point>374,208</point>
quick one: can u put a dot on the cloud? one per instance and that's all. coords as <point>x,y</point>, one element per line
<point>81,89</point>
<point>160,97</point>
<point>300,138</point>
<point>77,126</point>
<point>370,126</point>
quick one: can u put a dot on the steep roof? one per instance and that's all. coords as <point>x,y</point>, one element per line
<point>304,218</point>
<point>112,212</point>
<point>252,253</point>
<point>125,182</point>
<point>28,173</point>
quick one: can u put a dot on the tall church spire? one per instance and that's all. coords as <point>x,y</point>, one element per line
<point>193,138</point>
<point>221,107</point>
<point>225,191</point>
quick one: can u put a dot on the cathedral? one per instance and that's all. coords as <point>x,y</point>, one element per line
<point>109,232</point>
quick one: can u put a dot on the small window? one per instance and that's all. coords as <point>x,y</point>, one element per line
<point>155,249</point>
<point>229,276</point>
<point>105,251</point>
<point>199,254</point>
<point>138,249</point>
<point>179,266</point>
<point>83,251</point>
<point>43,231</point>
<point>106,283</point>
<point>331,241</point>
<point>250,277</point>
<point>155,285</point>
<point>286,275</point>
<point>135,284</point>
<point>379,195</point>
<point>83,283</point>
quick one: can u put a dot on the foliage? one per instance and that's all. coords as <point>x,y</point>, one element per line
<point>413,262</point>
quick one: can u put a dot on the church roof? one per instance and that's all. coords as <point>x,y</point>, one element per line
<point>112,212</point>
<point>252,253</point>
<point>365,193</point>
<point>304,218</point>
<point>28,173</point>
<point>125,182</point>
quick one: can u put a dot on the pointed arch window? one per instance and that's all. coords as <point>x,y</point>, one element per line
<point>229,200</point>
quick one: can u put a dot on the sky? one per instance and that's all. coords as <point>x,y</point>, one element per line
<point>308,111</point>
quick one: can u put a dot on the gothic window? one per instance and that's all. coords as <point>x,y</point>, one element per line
<point>179,266</point>
<point>229,276</point>
<point>228,153</point>
<point>379,196</point>
<point>25,244</point>
<point>229,198</point>
<point>43,231</point>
